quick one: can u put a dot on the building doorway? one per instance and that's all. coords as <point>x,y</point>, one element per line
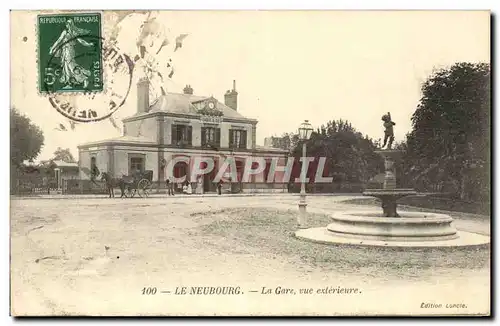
<point>207,182</point>
<point>180,170</point>
<point>240,166</point>
<point>57,173</point>
<point>208,178</point>
<point>237,185</point>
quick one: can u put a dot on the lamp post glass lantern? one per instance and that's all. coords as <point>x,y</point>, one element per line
<point>305,131</point>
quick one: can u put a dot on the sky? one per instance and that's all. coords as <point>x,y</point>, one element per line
<point>288,65</point>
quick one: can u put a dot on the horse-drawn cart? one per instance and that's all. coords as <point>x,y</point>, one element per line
<point>141,183</point>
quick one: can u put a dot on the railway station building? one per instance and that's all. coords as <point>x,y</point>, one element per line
<point>185,124</point>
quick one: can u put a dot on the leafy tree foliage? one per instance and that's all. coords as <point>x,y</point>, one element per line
<point>63,154</point>
<point>287,141</point>
<point>26,139</point>
<point>449,146</point>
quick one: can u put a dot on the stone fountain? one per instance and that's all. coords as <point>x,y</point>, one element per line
<point>388,227</point>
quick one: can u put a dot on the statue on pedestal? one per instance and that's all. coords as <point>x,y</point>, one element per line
<point>389,130</point>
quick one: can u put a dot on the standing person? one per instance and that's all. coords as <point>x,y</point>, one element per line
<point>94,173</point>
<point>200,186</point>
<point>219,187</point>
<point>170,187</point>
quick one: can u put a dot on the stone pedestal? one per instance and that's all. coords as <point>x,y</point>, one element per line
<point>390,173</point>
<point>302,218</point>
<point>389,206</point>
<point>390,157</point>
<point>389,194</point>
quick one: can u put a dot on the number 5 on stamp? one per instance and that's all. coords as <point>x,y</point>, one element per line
<point>70,53</point>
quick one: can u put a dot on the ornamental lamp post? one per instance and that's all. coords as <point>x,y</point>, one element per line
<point>231,153</point>
<point>305,131</point>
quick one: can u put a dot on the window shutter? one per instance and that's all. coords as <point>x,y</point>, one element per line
<point>203,136</point>
<point>189,130</point>
<point>231,138</point>
<point>243,139</point>
<point>217,137</point>
<point>174,135</point>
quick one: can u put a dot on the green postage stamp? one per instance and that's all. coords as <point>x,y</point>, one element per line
<point>70,53</point>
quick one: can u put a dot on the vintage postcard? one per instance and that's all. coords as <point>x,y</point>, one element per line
<point>250,163</point>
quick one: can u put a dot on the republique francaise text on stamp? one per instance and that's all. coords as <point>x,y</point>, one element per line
<point>64,39</point>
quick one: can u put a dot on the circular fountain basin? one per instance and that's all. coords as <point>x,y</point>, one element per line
<point>411,226</point>
<point>412,229</point>
<point>396,193</point>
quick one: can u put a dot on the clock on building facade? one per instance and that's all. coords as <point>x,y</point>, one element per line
<point>210,113</point>
<point>211,104</point>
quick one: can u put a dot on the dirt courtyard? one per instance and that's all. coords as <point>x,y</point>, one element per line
<point>99,256</point>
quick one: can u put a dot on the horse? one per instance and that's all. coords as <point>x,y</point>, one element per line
<point>111,183</point>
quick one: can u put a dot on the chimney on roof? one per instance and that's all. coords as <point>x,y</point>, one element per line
<point>142,95</point>
<point>188,90</point>
<point>231,97</point>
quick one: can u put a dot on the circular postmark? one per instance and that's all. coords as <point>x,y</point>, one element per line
<point>88,86</point>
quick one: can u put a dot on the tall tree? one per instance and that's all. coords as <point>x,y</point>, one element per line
<point>63,154</point>
<point>450,140</point>
<point>289,141</point>
<point>26,139</point>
